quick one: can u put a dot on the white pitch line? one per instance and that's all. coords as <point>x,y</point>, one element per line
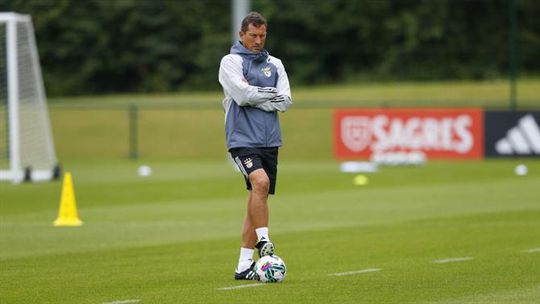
<point>452,260</point>
<point>123,301</point>
<point>241,286</point>
<point>532,250</point>
<point>340,274</point>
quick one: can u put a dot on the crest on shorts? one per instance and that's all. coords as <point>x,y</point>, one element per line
<point>248,163</point>
<point>267,71</point>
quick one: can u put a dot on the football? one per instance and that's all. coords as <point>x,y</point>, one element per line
<point>270,269</point>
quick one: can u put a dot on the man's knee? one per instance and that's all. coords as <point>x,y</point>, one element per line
<point>259,180</point>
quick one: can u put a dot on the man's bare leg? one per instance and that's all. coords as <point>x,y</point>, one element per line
<point>255,226</point>
<point>249,237</point>
<point>258,210</point>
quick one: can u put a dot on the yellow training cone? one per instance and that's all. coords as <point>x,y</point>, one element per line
<point>67,215</point>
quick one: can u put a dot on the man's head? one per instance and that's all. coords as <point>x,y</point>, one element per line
<point>253,32</point>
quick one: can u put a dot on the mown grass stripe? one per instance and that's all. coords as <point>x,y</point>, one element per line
<point>340,274</point>
<point>532,250</point>
<point>453,260</point>
<point>123,301</point>
<point>241,286</point>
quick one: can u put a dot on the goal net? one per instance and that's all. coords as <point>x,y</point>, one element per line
<point>26,142</point>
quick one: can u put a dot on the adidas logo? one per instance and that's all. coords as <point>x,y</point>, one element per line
<point>523,139</point>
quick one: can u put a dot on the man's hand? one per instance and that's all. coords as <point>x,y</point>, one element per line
<point>279,98</point>
<point>279,103</point>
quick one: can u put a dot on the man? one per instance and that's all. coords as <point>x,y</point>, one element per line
<point>256,88</point>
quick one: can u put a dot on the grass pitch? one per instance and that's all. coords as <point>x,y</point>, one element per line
<point>449,232</point>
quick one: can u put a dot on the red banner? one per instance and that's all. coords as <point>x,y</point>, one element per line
<point>438,133</point>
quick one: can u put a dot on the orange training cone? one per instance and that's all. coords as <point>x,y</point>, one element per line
<point>67,215</point>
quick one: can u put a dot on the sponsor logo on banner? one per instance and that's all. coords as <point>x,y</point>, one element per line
<point>356,132</point>
<point>439,133</point>
<point>513,134</point>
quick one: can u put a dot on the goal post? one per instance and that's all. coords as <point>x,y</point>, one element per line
<point>26,143</point>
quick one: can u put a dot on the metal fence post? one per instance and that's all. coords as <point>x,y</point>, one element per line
<point>513,45</point>
<point>133,131</point>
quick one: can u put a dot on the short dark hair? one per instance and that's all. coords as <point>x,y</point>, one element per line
<point>254,18</point>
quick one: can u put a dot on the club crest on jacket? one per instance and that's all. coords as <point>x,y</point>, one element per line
<point>267,71</point>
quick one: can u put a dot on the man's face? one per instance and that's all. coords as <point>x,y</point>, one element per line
<point>253,39</point>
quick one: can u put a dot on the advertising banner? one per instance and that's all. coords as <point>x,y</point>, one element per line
<point>437,133</point>
<point>512,134</point>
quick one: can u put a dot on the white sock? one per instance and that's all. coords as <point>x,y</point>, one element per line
<point>245,260</point>
<point>262,233</point>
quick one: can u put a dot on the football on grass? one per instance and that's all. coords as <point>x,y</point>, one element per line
<point>270,269</point>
